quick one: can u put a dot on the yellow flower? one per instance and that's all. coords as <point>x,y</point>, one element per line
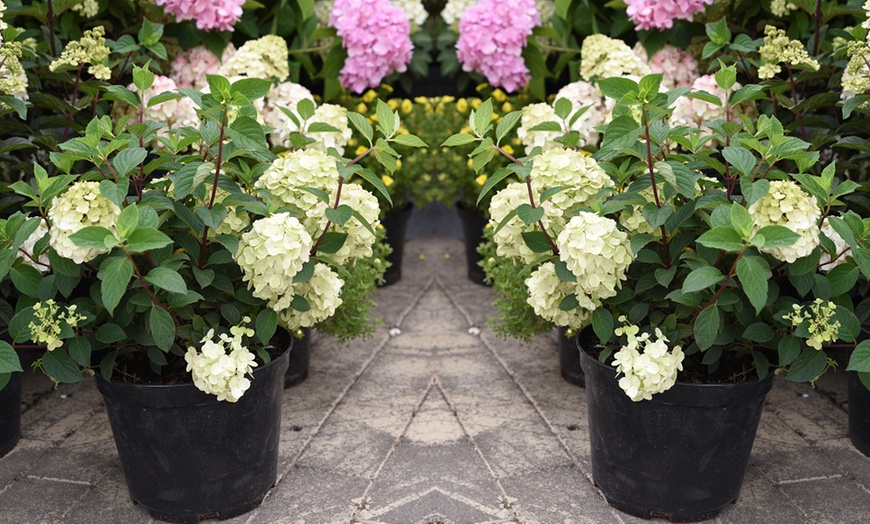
<point>507,107</point>
<point>499,95</point>
<point>447,256</point>
<point>387,180</point>
<point>282,154</point>
<point>421,100</point>
<point>398,163</point>
<point>362,108</point>
<point>480,180</point>
<point>475,103</point>
<point>360,150</point>
<point>407,106</point>
<point>466,129</point>
<point>401,131</point>
<point>470,163</point>
<point>508,149</point>
<point>442,177</point>
<point>373,118</point>
<point>462,105</point>
<point>393,103</point>
<point>427,177</point>
<point>481,87</point>
<point>448,99</point>
<point>387,87</point>
<point>369,96</point>
<point>351,142</point>
<point>517,142</point>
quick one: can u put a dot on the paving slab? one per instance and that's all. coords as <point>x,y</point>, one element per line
<point>434,420</point>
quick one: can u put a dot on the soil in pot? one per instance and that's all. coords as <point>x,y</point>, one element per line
<point>680,456</point>
<point>187,456</point>
<point>10,414</point>
<point>473,222</point>
<point>395,223</point>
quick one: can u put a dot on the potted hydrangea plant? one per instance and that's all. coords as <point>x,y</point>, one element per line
<point>179,273</point>
<point>706,259</point>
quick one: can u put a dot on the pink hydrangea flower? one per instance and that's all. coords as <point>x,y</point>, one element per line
<point>190,67</point>
<point>208,14</point>
<point>677,67</point>
<point>660,14</point>
<point>492,35</point>
<point>377,36</point>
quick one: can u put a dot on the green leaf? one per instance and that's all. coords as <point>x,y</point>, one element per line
<point>741,220</point>
<point>376,181</point>
<point>459,139</point>
<point>61,367</point>
<point>569,302</point>
<point>529,214</point>
<point>127,160</point>
<point>483,117</point>
<point>142,77</point>
<point>563,107</point>
<point>146,238</point>
<point>789,349</point>
<point>362,125</point>
<point>602,324</point>
<point>726,77</point>
<point>725,238</point>
<point>617,87</point>
<point>332,242</point>
<point>266,324</point>
<point>162,327</point>
<point>843,278</point>
<point>127,220</point>
<point>26,279</point>
<point>122,94</point>
<point>858,361</point>
<point>219,87</point>
<point>115,274</point>
<point>508,122</point>
<point>536,241</point>
<point>300,304</point>
<point>339,215</point>
<point>702,278</point>
<point>251,88</point>
<point>167,279</point>
<point>753,276</point>
<point>409,141</point>
<point>563,272</point>
<point>776,236</point>
<point>80,350</point>
<point>758,332</point>
<point>743,160</point>
<point>94,237</point>
<point>809,365</point>
<point>706,327</point>
<point>9,361</point>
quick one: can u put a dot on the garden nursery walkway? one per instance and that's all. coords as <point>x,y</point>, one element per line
<point>434,420</point>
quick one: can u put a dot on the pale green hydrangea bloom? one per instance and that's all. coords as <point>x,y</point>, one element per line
<point>287,175</point>
<point>336,116</point>
<point>323,293</point>
<point>786,204</point>
<point>546,292</point>
<point>782,8</point>
<point>89,49</point>
<point>597,252</point>
<point>779,48</point>
<point>41,263</point>
<point>49,323</point>
<point>359,240</point>
<point>270,255</point>
<point>534,114</point>
<point>826,263</point>
<point>604,57</point>
<point>509,239</point>
<point>820,321</point>
<point>648,366</point>
<point>217,372</point>
<point>576,170</point>
<point>266,57</point>
<point>80,206</point>
<point>88,8</point>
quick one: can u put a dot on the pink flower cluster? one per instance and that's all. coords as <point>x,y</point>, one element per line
<point>377,36</point>
<point>208,14</point>
<point>660,14</point>
<point>678,68</point>
<point>492,34</point>
<point>190,67</point>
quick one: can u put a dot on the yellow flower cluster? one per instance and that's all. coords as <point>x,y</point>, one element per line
<point>821,324</point>
<point>47,324</point>
<point>779,48</point>
<point>89,49</point>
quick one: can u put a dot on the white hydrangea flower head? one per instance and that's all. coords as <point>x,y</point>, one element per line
<point>582,94</point>
<point>287,175</point>
<point>88,8</point>
<point>336,116</point>
<point>359,240</point>
<point>781,8</point>
<point>236,221</point>
<point>633,220</point>
<point>677,67</point>
<point>323,293</point>
<point>190,67</point>
<point>567,167</point>
<point>266,57</point>
<point>821,321</point>
<point>270,255</point>
<point>547,8</point>
<point>840,246</point>
<point>786,204</point>
<point>604,57</point>
<point>534,114</point>
<point>286,95</point>
<point>80,206</point>
<point>220,366</point>
<point>509,239</point>
<point>546,292</point>
<point>648,366</point>
<point>453,11</point>
<point>693,112</point>
<point>41,263</point>
<point>779,48</point>
<point>597,252</point>
<point>322,8</point>
<point>415,11</point>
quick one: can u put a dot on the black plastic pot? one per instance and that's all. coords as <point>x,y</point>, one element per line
<point>569,356</point>
<point>859,413</point>
<point>473,222</point>
<point>187,456</point>
<point>300,360</point>
<point>680,456</point>
<point>395,223</point>
<point>10,414</point>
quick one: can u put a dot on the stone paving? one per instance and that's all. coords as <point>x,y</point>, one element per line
<point>442,422</point>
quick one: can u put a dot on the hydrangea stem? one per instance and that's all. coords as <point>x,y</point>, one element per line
<point>666,257</point>
<point>217,174</point>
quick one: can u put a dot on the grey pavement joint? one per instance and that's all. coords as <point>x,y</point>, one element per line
<point>434,420</point>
